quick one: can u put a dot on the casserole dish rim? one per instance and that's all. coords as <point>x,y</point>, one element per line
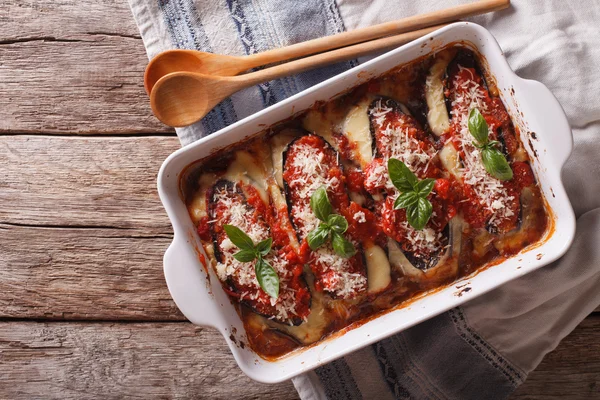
<point>185,275</point>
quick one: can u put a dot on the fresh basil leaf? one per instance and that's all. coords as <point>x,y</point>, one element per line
<point>478,127</point>
<point>317,237</point>
<point>337,223</point>
<point>418,214</point>
<point>405,200</point>
<point>476,144</point>
<point>495,164</point>
<point>267,278</point>
<point>264,246</point>
<point>245,255</point>
<point>342,246</point>
<point>319,203</point>
<point>238,237</point>
<point>425,187</point>
<point>401,176</point>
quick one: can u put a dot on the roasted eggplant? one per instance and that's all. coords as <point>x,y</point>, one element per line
<point>309,162</point>
<point>488,202</point>
<point>396,134</point>
<point>240,205</point>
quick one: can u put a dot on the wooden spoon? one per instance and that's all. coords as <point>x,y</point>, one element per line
<point>182,98</point>
<point>223,65</point>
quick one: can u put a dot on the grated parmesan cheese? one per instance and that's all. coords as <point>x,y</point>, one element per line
<point>396,141</point>
<point>490,191</point>
<point>311,174</point>
<point>360,217</point>
<point>236,213</point>
<point>337,278</point>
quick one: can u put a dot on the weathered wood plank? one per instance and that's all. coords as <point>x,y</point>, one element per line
<point>83,181</point>
<point>572,371</point>
<point>82,229</point>
<point>72,67</point>
<point>85,273</point>
<point>115,361</point>
<point>65,19</point>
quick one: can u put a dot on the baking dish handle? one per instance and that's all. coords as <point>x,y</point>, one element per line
<point>189,284</point>
<point>553,122</point>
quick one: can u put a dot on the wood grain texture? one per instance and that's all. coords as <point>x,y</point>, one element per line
<point>572,371</point>
<point>83,273</point>
<point>167,360</point>
<point>83,181</point>
<point>72,67</point>
<point>82,230</point>
<point>116,361</point>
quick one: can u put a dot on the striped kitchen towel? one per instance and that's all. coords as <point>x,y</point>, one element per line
<point>486,348</point>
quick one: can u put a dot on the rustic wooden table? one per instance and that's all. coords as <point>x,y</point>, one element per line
<point>84,310</point>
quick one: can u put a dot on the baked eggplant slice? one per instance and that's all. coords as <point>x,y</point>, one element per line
<point>240,204</point>
<point>533,219</point>
<point>443,265</point>
<point>487,202</point>
<point>396,134</point>
<point>309,162</point>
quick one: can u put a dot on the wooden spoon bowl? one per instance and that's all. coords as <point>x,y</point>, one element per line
<point>182,98</point>
<point>191,61</point>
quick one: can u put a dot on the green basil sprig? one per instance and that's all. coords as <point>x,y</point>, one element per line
<point>265,273</point>
<point>332,226</point>
<point>413,194</point>
<point>493,160</point>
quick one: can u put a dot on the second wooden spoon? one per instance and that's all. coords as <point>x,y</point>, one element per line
<point>182,98</point>
<point>226,65</point>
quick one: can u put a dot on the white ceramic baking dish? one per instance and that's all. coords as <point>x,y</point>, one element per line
<point>546,135</point>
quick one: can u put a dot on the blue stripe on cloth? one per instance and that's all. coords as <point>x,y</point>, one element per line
<point>247,38</point>
<point>337,381</point>
<point>390,374</point>
<point>267,24</point>
<point>514,375</point>
<point>186,30</point>
<point>435,360</point>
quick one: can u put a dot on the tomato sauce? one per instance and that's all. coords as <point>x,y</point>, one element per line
<point>316,173</point>
<point>360,190</point>
<point>223,197</point>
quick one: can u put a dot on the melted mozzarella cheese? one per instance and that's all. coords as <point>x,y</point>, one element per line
<point>315,121</point>
<point>437,114</point>
<point>399,261</point>
<point>245,168</point>
<point>197,206</point>
<point>278,144</point>
<point>450,159</point>
<point>357,128</point>
<point>378,269</point>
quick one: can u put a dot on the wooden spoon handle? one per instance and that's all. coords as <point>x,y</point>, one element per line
<point>330,57</point>
<point>403,25</point>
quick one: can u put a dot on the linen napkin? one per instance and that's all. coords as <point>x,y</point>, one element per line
<point>485,348</point>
